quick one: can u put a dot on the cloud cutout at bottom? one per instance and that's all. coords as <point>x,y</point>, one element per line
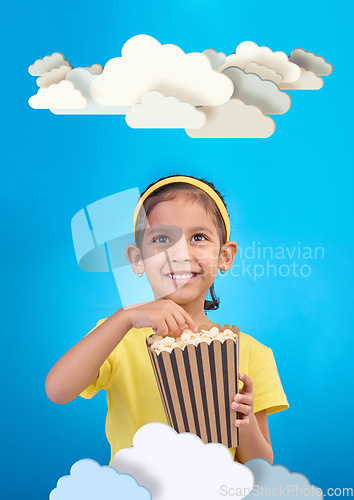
<point>158,111</point>
<point>177,466</point>
<point>233,120</point>
<point>276,481</point>
<point>89,481</point>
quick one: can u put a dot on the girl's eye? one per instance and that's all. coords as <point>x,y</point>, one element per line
<point>160,239</point>
<point>200,234</point>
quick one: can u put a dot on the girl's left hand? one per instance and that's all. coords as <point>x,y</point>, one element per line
<point>243,402</point>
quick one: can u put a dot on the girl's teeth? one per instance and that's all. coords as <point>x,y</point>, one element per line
<point>181,276</point>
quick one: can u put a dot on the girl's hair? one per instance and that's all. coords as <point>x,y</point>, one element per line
<point>170,192</point>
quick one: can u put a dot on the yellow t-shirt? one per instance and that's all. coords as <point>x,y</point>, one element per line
<point>132,393</point>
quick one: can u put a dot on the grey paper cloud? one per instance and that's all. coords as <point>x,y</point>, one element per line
<point>311,62</point>
<point>276,481</point>
<point>216,58</point>
<point>264,94</point>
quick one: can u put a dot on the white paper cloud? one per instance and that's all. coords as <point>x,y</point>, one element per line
<point>252,90</point>
<point>180,466</point>
<point>147,65</point>
<point>307,81</point>
<point>95,69</point>
<point>60,95</point>
<point>158,111</point>
<point>55,75</point>
<point>276,481</point>
<point>47,63</point>
<point>216,58</point>
<point>311,62</point>
<point>250,52</point>
<point>82,78</point>
<point>233,120</point>
<point>89,481</point>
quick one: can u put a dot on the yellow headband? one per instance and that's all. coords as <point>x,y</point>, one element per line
<point>195,182</point>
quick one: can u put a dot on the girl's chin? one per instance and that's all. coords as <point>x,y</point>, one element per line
<point>181,296</point>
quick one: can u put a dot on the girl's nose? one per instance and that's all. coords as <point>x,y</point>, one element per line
<point>179,251</point>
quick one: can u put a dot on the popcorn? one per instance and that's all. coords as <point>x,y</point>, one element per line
<point>167,341</point>
<point>197,377</point>
<point>158,343</point>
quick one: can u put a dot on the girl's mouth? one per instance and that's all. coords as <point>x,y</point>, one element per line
<point>182,277</point>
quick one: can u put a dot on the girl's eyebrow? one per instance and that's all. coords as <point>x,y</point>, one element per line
<point>164,227</point>
<point>200,228</point>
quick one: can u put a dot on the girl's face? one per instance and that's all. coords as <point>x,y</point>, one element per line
<point>181,250</point>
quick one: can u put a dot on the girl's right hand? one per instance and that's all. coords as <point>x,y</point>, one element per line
<point>164,316</point>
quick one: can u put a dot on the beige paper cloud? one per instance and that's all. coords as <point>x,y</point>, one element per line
<point>62,95</point>
<point>47,63</point>
<point>55,75</point>
<point>250,52</point>
<point>307,81</point>
<point>234,120</point>
<point>158,111</point>
<point>147,65</point>
<point>263,72</point>
<point>95,69</point>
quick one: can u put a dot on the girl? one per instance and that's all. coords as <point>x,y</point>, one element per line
<point>181,229</point>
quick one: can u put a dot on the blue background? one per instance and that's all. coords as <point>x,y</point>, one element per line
<point>293,187</point>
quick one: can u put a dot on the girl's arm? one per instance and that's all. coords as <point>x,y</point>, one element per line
<point>80,366</point>
<point>254,439</point>
<point>253,428</point>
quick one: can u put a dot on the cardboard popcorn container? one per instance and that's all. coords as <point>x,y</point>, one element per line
<point>197,385</point>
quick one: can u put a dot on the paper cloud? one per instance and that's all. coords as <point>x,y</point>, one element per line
<point>47,63</point>
<point>55,75</point>
<point>249,52</point>
<point>158,111</point>
<point>60,95</point>
<point>307,81</point>
<point>89,481</point>
<point>175,466</point>
<point>263,72</point>
<point>95,69</point>
<point>311,62</point>
<point>252,90</point>
<point>276,481</point>
<point>147,65</point>
<point>82,78</point>
<point>233,120</point>
<point>216,58</point>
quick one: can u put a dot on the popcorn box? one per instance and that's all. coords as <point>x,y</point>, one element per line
<point>197,385</point>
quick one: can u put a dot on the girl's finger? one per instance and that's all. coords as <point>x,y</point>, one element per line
<point>242,422</point>
<point>189,321</point>
<point>247,383</point>
<point>244,409</point>
<point>180,322</point>
<point>171,324</point>
<point>246,399</point>
<point>161,328</point>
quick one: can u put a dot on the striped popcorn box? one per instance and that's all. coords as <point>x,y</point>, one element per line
<point>197,385</point>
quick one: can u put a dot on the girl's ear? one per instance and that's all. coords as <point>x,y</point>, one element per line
<point>227,255</point>
<point>135,258</point>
